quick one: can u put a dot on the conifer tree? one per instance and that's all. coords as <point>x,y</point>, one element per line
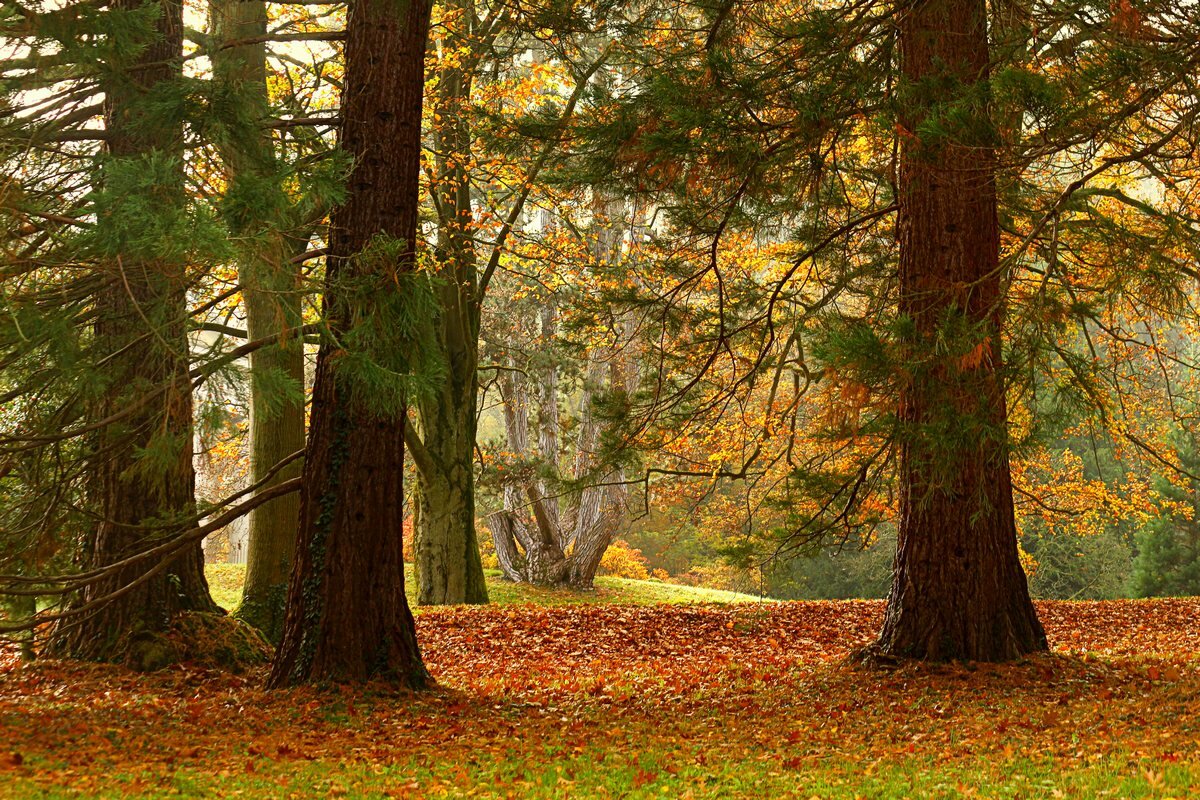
<point>805,133</point>
<point>347,615</point>
<point>959,591</point>
<point>140,460</point>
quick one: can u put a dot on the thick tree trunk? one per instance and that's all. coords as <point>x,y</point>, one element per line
<point>258,220</point>
<point>22,608</point>
<point>347,616</point>
<point>958,590</point>
<point>142,467</point>
<point>587,554</point>
<point>448,567</point>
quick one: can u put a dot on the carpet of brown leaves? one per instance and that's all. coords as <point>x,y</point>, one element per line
<point>709,682</point>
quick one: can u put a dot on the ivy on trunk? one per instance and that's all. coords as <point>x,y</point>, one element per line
<point>347,616</point>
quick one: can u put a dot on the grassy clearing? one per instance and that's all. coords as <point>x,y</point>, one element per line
<point>624,591</point>
<point>731,701</point>
<point>225,583</point>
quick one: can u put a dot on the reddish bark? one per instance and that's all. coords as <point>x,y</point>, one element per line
<point>958,590</point>
<point>347,616</point>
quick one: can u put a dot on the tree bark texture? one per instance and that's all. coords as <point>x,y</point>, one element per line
<point>259,220</point>
<point>958,590</point>
<point>142,472</point>
<point>448,566</point>
<point>347,616</point>
<point>446,544</point>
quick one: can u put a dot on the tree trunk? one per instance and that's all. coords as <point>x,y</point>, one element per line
<point>142,467</point>
<point>958,590</point>
<point>505,535</point>
<point>449,569</point>
<point>446,544</point>
<point>529,518</point>
<point>591,515</point>
<point>347,616</point>
<point>545,504</point>
<point>588,552</point>
<point>22,608</point>
<point>257,212</point>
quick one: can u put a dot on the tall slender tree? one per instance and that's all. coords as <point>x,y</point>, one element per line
<point>443,443</point>
<point>347,616</point>
<point>260,218</point>
<point>958,590</point>
<point>446,545</point>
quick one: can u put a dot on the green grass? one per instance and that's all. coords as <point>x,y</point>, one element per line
<point>225,583</point>
<point>623,591</point>
<point>551,773</point>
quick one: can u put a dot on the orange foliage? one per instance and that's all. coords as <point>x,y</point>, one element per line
<point>713,686</point>
<point>621,560</point>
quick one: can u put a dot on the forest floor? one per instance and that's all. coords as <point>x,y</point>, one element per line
<point>729,701</point>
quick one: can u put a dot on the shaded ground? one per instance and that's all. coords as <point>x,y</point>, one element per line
<point>624,701</point>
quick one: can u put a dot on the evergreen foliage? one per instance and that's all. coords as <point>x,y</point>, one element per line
<point>1168,548</point>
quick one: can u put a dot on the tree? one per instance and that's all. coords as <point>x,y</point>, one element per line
<point>443,442</point>
<point>260,219</point>
<point>142,471</point>
<point>958,589</point>
<point>1168,547</point>
<point>780,127</point>
<point>539,538</point>
<point>347,616</point>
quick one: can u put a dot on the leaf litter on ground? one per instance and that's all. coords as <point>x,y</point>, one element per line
<point>699,701</point>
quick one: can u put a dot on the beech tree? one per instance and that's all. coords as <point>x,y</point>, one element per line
<point>270,236</point>
<point>347,615</point>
